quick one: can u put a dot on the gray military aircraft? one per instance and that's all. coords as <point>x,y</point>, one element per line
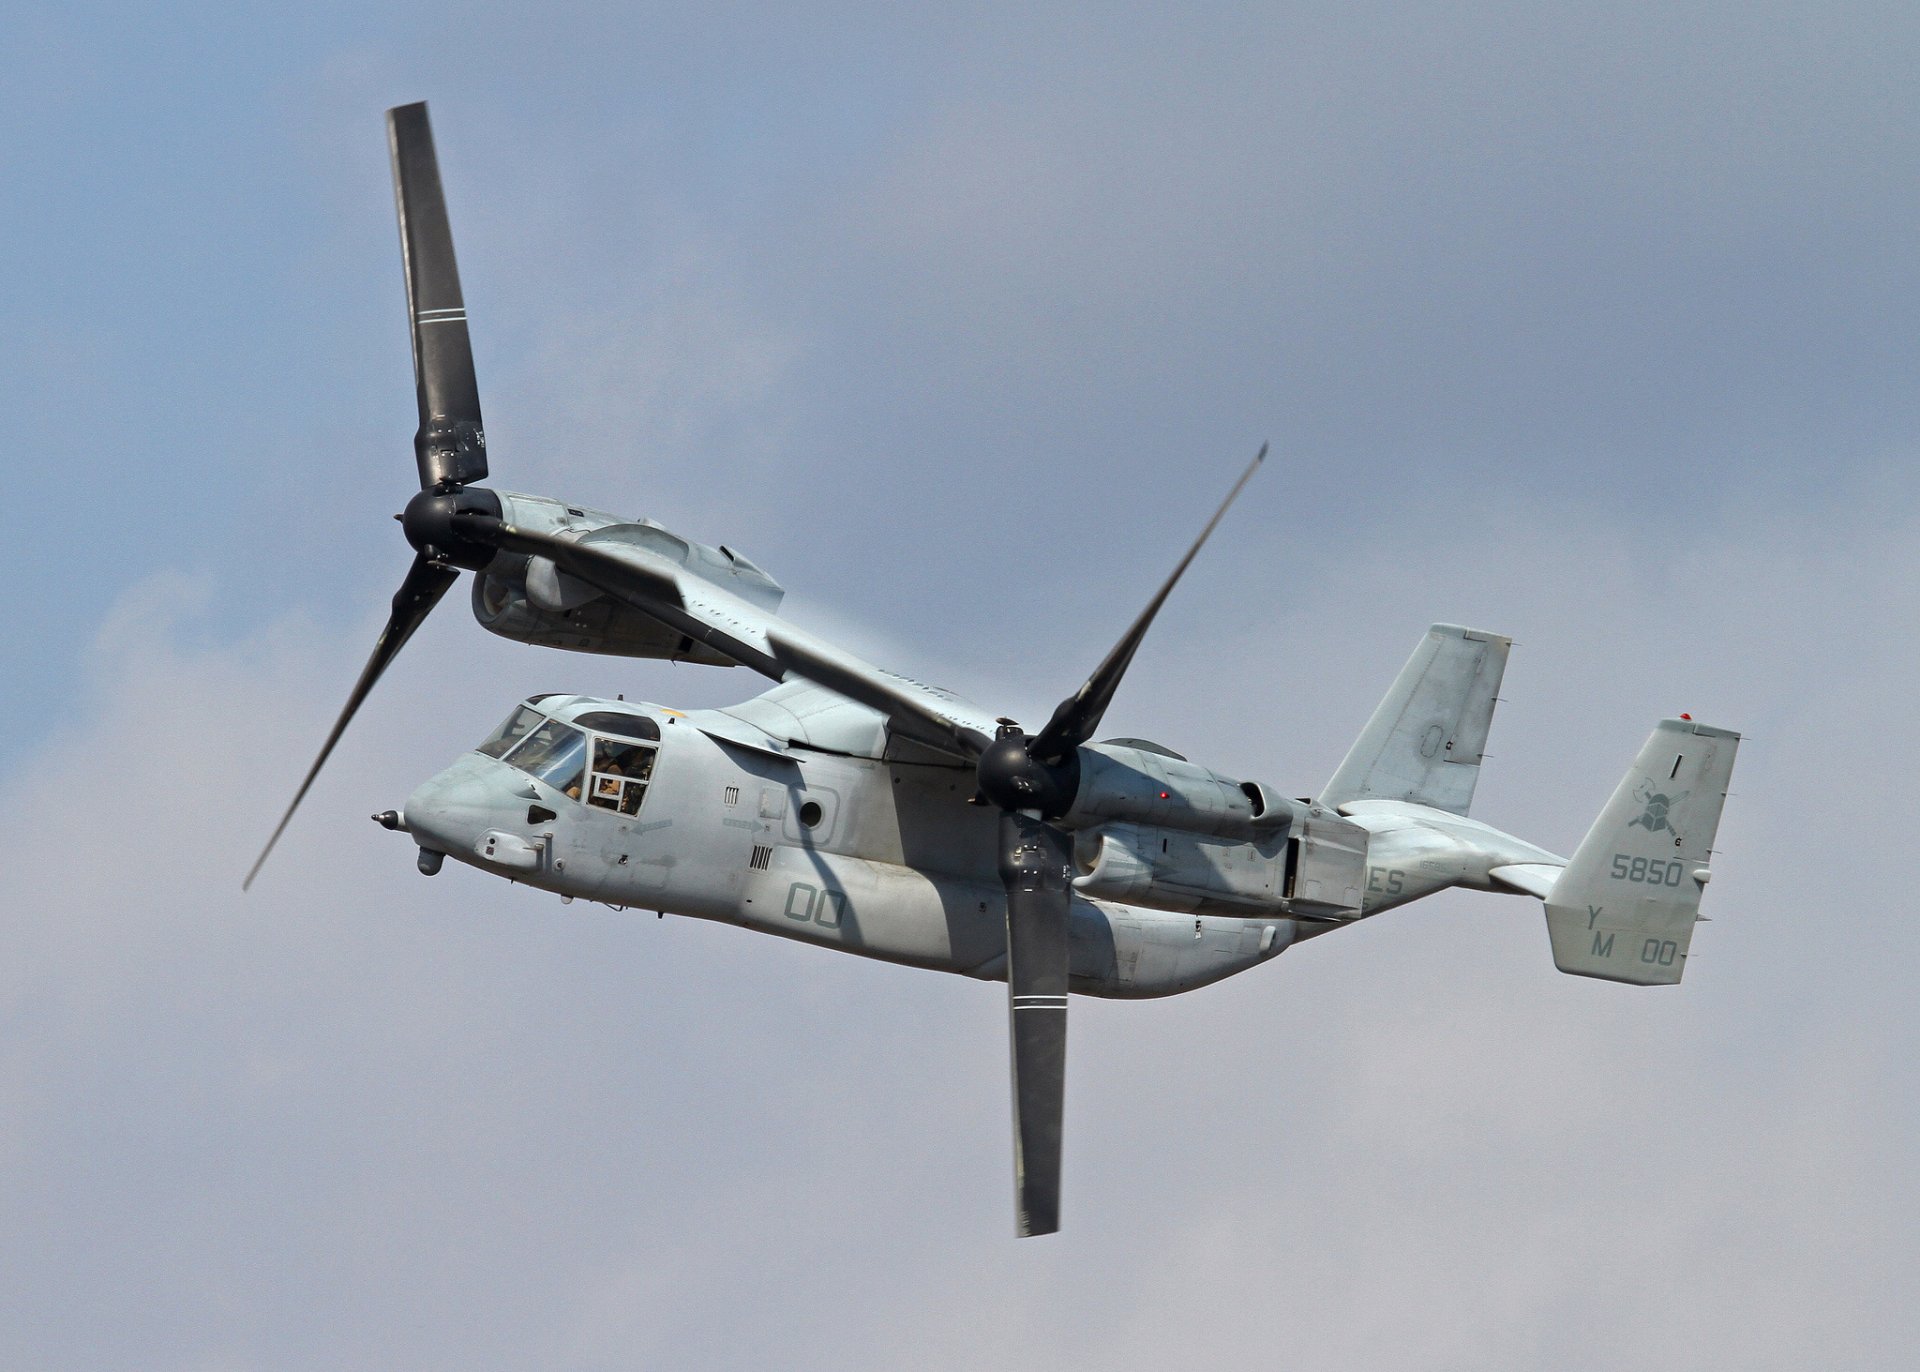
<point>858,809</point>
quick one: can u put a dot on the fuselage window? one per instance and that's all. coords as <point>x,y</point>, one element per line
<point>510,733</point>
<point>554,752</point>
<point>621,771</point>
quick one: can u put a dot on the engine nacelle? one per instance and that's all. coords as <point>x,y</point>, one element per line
<point>1141,783</point>
<point>532,601</point>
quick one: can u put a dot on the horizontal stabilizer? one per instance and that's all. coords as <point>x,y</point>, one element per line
<point>1530,878</point>
<point>1624,908</point>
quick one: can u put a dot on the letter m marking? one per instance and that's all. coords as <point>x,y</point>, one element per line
<point>1603,947</point>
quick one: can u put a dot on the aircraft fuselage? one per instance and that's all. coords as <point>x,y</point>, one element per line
<point>881,857</point>
<point>894,864</point>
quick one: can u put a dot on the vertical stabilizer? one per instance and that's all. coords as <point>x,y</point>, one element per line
<point>1425,741</point>
<point>1624,908</point>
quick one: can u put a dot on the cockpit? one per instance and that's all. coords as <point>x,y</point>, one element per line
<point>603,757</point>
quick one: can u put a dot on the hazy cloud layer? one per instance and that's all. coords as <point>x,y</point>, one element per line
<point>1591,330</point>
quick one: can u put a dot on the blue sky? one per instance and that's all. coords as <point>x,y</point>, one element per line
<point>1593,329</point>
<point>1417,246</point>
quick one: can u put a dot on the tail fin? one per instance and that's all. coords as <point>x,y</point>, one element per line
<point>1624,908</point>
<point>1425,741</point>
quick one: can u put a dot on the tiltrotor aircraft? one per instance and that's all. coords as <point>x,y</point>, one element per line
<point>862,810</point>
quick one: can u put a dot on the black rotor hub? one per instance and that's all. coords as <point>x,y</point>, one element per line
<point>431,527</point>
<point>1012,778</point>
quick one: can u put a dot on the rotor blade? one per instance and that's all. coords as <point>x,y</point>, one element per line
<point>1076,718</point>
<point>1035,866</point>
<point>426,582</point>
<point>912,710</point>
<point>451,445</point>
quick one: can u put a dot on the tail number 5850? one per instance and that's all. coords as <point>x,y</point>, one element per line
<point>1651,871</point>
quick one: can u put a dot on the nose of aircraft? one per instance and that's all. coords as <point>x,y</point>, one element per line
<point>453,812</point>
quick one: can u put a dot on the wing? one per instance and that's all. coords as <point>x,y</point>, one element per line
<point>754,636</point>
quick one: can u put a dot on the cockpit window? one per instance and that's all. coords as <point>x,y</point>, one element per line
<point>621,772</point>
<point>619,722</point>
<point>554,752</point>
<point>558,754</point>
<point>624,759</point>
<point>510,733</point>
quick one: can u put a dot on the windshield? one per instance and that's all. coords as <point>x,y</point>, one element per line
<point>510,733</point>
<point>554,752</point>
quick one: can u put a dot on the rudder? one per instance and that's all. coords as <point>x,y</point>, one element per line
<point>1624,908</point>
<point>1426,738</point>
